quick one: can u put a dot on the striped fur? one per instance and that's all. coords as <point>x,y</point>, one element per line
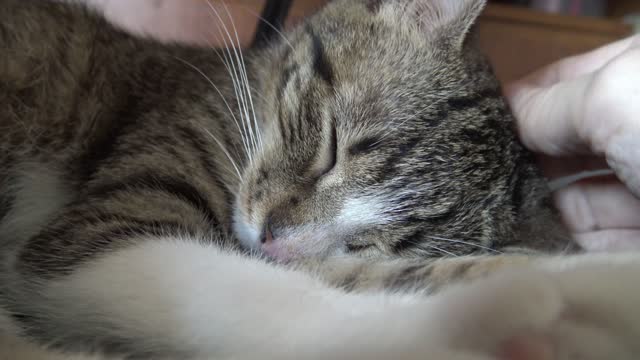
<point>405,118</point>
<point>372,130</point>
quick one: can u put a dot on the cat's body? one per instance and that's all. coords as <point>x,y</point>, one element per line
<point>134,114</point>
<point>132,173</point>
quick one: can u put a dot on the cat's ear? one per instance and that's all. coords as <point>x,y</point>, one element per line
<point>443,20</point>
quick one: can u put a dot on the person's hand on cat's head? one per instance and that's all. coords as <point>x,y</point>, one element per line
<point>583,113</point>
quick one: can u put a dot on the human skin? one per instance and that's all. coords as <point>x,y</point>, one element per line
<point>186,21</point>
<point>582,113</point>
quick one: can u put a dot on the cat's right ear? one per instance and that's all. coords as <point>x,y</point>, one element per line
<point>445,21</point>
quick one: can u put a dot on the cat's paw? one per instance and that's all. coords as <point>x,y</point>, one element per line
<point>564,309</point>
<point>474,322</point>
<point>495,316</point>
<point>600,319</point>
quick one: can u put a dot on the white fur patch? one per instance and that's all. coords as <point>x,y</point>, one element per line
<point>248,234</point>
<point>182,295</point>
<point>364,211</point>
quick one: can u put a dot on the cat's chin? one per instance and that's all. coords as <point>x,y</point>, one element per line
<point>287,252</point>
<point>281,254</point>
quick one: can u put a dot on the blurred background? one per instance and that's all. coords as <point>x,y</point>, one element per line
<point>518,35</point>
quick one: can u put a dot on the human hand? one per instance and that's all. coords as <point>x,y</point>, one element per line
<point>583,113</point>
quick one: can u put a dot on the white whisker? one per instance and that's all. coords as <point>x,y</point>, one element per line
<point>419,244</point>
<point>464,243</point>
<point>243,67</point>
<point>224,149</point>
<point>243,137</point>
<point>240,74</point>
<point>238,88</point>
<point>213,85</point>
<point>441,250</point>
<point>240,100</point>
<point>258,94</point>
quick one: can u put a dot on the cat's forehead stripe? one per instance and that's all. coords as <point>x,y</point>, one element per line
<point>289,70</point>
<point>373,5</point>
<point>321,64</point>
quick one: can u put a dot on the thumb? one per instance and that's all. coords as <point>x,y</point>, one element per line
<point>547,116</point>
<point>550,103</point>
<point>594,113</point>
<point>612,120</point>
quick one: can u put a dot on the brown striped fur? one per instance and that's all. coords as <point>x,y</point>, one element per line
<point>366,99</point>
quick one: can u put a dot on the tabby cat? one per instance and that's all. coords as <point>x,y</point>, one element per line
<point>293,201</point>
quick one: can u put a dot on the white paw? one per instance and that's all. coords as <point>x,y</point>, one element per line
<point>473,322</point>
<point>601,318</point>
<point>484,315</point>
<point>586,309</point>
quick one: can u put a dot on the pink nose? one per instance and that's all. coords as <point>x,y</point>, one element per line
<point>277,252</point>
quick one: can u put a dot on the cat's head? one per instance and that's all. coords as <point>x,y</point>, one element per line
<point>384,133</point>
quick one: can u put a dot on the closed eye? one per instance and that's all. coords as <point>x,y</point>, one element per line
<point>358,247</point>
<point>333,152</point>
<point>365,146</point>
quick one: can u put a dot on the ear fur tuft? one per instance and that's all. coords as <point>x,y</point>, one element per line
<point>448,20</point>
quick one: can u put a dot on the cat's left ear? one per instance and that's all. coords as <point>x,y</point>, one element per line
<point>442,20</point>
<point>451,19</point>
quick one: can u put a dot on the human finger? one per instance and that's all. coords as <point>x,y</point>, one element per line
<point>575,66</point>
<point>598,205</point>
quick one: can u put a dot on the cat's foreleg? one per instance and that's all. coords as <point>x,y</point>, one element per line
<point>171,297</point>
<point>599,293</point>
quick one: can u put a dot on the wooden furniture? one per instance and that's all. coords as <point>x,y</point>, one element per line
<point>622,7</point>
<point>520,40</point>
